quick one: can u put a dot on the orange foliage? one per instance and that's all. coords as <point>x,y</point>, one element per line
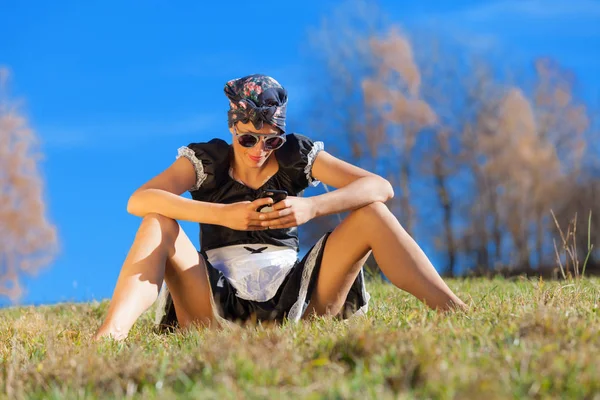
<point>28,240</point>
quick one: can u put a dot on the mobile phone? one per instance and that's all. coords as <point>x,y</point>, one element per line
<point>276,195</point>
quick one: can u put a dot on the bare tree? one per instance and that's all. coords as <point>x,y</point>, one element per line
<point>443,87</point>
<point>580,216</point>
<point>28,240</point>
<point>481,237</point>
<point>442,167</point>
<point>580,208</point>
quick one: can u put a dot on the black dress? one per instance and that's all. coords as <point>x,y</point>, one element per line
<point>215,184</point>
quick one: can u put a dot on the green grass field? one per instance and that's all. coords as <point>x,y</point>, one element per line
<point>521,339</point>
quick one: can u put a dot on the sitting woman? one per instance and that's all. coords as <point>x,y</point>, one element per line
<point>248,266</point>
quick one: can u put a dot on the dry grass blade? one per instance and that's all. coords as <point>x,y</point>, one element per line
<point>573,249</point>
<point>590,246</point>
<point>569,246</point>
<point>558,260</point>
<point>564,243</point>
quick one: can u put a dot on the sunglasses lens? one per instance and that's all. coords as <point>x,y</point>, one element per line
<point>273,143</point>
<point>247,140</point>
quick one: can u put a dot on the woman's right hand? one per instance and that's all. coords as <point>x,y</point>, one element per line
<point>242,216</point>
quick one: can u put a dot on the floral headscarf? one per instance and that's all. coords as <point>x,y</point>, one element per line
<point>256,98</point>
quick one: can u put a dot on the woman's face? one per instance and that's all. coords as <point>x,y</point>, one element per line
<point>256,156</point>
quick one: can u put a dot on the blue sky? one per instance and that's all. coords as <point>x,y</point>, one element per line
<point>114,88</point>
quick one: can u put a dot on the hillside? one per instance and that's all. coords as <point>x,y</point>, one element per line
<point>521,339</point>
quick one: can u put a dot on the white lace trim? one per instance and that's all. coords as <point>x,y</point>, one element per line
<point>300,305</point>
<point>297,310</point>
<point>161,304</point>
<point>317,147</point>
<point>188,153</point>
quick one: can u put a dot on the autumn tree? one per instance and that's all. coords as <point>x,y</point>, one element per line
<point>493,152</point>
<point>370,98</point>
<point>396,113</point>
<point>340,56</point>
<point>28,240</point>
<point>522,159</point>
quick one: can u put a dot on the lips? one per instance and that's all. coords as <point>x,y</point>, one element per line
<point>255,158</point>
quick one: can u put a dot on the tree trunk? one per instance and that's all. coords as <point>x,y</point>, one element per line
<point>496,228</point>
<point>539,238</point>
<point>405,208</point>
<point>445,202</point>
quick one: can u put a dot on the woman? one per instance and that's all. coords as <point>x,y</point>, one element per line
<point>248,265</point>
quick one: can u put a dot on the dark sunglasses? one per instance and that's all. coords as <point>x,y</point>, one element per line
<point>249,140</point>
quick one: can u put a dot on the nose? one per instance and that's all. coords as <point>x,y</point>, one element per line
<point>260,146</point>
<point>258,149</point>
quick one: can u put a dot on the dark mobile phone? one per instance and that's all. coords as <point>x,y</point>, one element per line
<point>276,195</point>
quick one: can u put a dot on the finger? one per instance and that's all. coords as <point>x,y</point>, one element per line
<point>282,204</point>
<point>256,216</point>
<point>260,202</point>
<point>277,214</point>
<point>279,221</point>
<point>253,224</point>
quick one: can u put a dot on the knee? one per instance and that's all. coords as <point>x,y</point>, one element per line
<point>168,227</point>
<point>372,211</point>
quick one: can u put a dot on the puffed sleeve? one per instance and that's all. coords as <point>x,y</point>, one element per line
<point>209,160</point>
<point>297,156</point>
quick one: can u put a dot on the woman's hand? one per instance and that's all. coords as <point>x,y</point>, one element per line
<point>242,216</point>
<point>293,211</point>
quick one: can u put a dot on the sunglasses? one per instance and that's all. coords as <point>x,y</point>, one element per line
<point>249,140</point>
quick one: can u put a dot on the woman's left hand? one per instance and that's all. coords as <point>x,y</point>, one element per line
<point>293,211</point>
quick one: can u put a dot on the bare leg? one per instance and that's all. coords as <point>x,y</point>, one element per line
<point>375,228</point>
<point>161,250</point>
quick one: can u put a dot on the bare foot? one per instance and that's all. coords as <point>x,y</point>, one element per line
<point>114,334</point>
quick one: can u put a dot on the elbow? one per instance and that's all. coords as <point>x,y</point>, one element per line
<point>387,190</point>
<point>133,204</point>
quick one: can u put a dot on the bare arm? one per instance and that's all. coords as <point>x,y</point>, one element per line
<point>162,195</point>
<point>356,187</point>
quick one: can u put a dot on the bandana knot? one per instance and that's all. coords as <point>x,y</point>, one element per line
<point>258,99</point>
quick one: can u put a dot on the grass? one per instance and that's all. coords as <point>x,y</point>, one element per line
<point>522,339</point>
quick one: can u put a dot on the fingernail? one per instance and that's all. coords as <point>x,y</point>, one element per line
<point>262,217</point>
